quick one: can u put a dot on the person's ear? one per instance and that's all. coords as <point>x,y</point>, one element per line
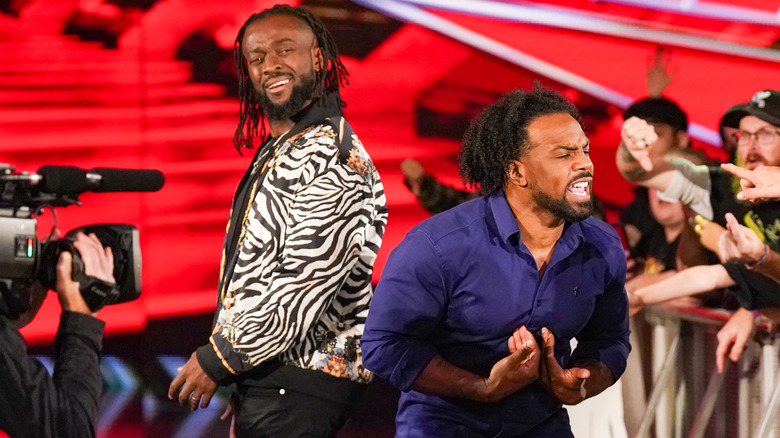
<point>516,173</point>
<point>683,139</point>
<point>319,60</point>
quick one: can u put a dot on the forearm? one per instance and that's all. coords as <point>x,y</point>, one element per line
<point>628,166</point>
<point>443,379</point>
<point>77,374</point>
<point>690,281</point>
<point>770,266</point>
<point>601,376</point>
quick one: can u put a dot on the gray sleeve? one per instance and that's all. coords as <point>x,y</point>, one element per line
<point>691,185</point>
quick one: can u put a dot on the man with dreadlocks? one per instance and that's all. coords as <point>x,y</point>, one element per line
<point>305,226</point>
<point>475,309</point>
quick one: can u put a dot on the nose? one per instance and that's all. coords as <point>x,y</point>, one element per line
<point>271,63</point>
<point>583,162</point>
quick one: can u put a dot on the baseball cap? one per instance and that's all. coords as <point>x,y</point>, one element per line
<point>765,105</point>
<point>658,110</point>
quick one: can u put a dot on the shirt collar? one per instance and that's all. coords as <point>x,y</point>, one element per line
<point>506,223</point>
<point>502,213</point>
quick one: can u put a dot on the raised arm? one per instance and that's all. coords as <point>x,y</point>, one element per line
<point>638,160</point>
<point>741,244</point>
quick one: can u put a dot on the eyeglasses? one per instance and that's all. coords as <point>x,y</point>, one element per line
<point>764,136</point>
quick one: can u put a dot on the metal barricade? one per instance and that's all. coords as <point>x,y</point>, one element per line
<point>690,398</point>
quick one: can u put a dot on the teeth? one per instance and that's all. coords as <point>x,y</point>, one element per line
<point>277,84</point>
<point>580,185</point>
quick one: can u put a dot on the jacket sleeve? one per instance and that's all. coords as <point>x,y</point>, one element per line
<point>327,223</point>
<point>34,404</point>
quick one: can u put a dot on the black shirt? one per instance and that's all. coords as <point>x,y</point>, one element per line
<point>34,404</point>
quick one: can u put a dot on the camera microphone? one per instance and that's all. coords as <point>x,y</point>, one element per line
<point>71,179</point>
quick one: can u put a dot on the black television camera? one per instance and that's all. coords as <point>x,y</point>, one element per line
<point>23,259</point>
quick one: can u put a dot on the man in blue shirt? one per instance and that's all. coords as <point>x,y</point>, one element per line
<point>476,307</point>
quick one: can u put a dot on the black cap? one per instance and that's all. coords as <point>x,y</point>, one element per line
<point>765,105</point>
<point>658,110</point>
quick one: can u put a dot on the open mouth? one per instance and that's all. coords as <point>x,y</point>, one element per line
<point>276,85</point>
<point>580,189</point>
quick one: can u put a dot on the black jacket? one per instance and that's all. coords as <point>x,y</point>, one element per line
<point>32,403</point>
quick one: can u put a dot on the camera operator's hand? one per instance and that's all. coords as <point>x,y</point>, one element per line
<point>98,262</point>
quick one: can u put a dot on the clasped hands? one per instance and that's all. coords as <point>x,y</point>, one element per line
<point>527,363</point>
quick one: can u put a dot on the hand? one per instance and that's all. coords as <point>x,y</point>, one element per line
<point>517,370</point>
<point>194,387</point>
<point>230,414</point>
<point>709,233</point>
<point>635,302</point>
<point>566,385</point>
<point>739,243</point>
<point>763,182</point>
<point>98,262</point>
<point>638,136</point>
<point>658,74</point>
<point>733,336</point>
<point>413,173</point>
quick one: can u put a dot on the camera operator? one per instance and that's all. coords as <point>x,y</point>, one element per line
<point>33,404</point>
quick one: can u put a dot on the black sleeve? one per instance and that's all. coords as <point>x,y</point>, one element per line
<point>32,403</point>
<point>436,197</point>
<point>754,290</point>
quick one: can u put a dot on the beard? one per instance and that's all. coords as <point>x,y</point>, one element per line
<point>301,94</point>
<point>561,208</point>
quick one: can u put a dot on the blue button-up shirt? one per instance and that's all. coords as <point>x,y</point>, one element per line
<point>461,282</point>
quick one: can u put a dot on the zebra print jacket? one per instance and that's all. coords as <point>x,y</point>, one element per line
<point>296,269</point>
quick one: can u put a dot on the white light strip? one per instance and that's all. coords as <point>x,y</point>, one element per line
<point>588,22</point>
<point>410,13</point>
<point>708,10</point>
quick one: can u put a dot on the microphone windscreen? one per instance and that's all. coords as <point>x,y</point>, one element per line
<point>128,180</point>
<point>63,179</point>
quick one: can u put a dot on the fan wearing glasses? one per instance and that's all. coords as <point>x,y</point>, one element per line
<point>712,192</point>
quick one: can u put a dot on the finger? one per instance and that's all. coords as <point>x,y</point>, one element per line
<point>173,389</point>
<point>184,395</point>
<point>646,163</point>
<point>739,346</point>
<point>731,222</point>
<point>720,353</point>
<point>751,193</point>
<point>64,265</point>
<point>228,412</point>
<point>549,349</point>
<point>736,170</point>
<point>206,399</point>
<point>511,343</point>
<point>194,402</point>
<point>525,352</point>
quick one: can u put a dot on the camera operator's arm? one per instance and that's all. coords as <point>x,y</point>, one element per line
<point>78,345</point>
<point>32,404</point>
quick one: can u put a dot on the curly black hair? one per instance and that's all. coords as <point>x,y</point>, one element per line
<point>499,134</point>
<point>251,122</point>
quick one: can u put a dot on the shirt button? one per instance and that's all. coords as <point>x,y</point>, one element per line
<point>281,391</point>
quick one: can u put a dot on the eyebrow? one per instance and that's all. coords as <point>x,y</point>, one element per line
<point>273,43</point>
<point>570,147</point>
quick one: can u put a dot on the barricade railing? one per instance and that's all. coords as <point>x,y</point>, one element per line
<point>690,398</point>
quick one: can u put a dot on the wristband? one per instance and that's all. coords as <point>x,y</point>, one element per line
<point>760,260</point>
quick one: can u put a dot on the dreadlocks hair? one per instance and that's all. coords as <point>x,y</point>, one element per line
<point>251,122</point>
<point>499,134</point>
